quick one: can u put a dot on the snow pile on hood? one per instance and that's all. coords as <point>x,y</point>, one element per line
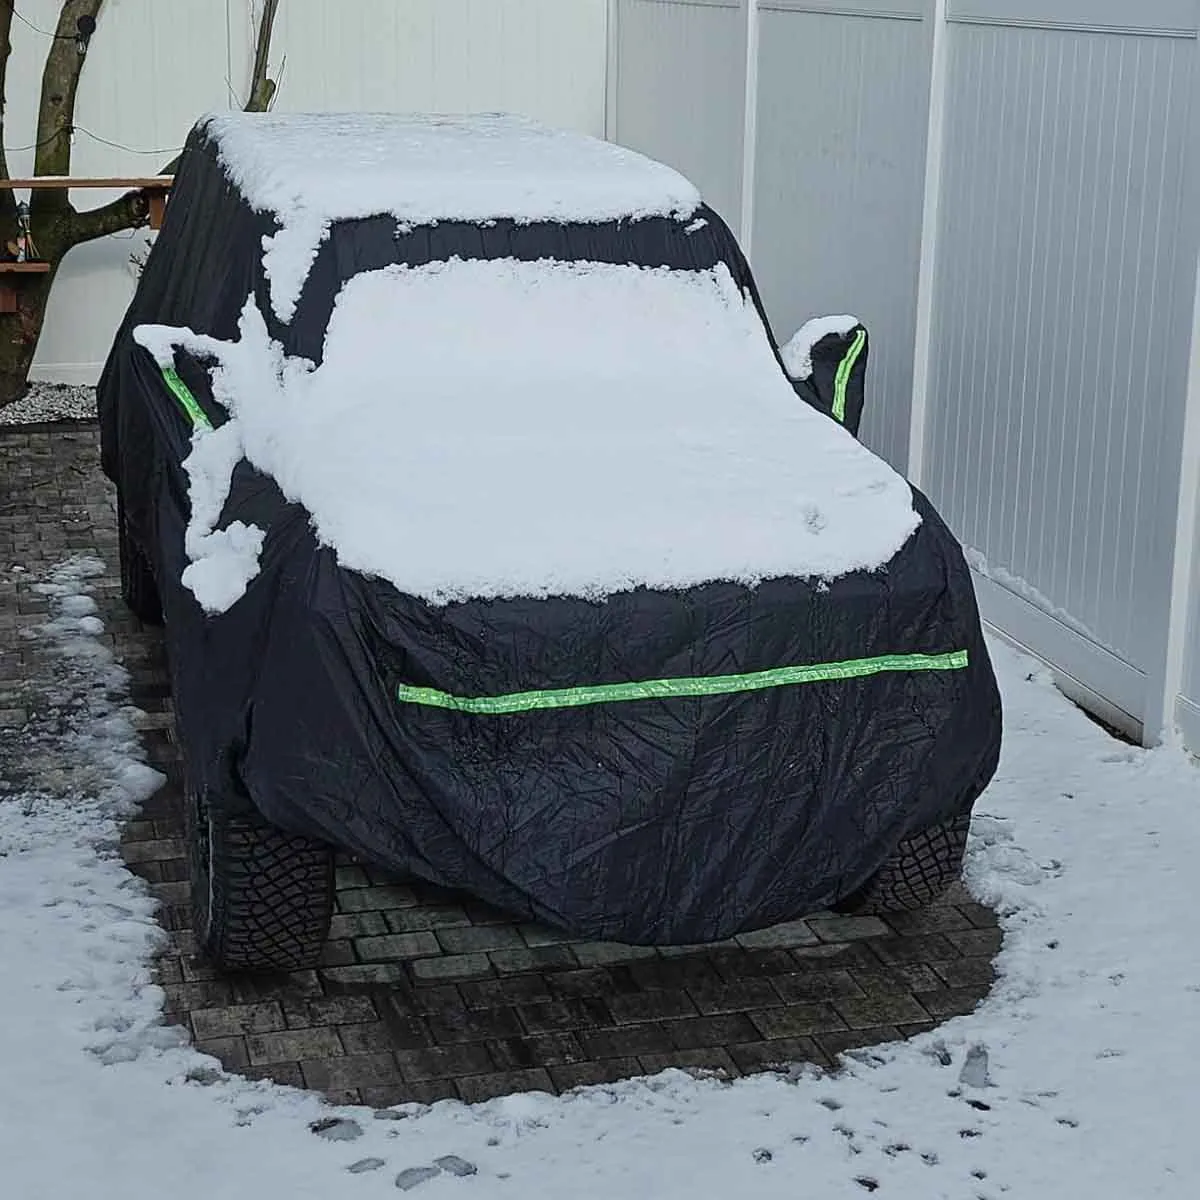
<point>502,428</point>
<point>797,353</point>
<point>1073,1079</point>
<point>310,169</point>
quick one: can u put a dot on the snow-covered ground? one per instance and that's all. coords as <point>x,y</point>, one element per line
<point>1076,1078</point>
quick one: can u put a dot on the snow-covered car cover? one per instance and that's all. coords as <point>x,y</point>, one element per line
<point>642,762</point>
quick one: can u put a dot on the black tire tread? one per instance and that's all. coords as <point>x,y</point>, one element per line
<point>918,873</point>
<point>272,892</point>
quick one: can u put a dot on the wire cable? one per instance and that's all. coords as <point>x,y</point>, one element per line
<point>61,37</point>
<point>96,138</point>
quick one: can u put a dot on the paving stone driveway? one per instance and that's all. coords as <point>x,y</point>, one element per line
<point>426,994</point>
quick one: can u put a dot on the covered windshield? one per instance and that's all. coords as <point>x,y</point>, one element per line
<point>504,428</point>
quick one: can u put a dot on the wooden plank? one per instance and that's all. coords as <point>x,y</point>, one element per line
<point>158,183</point>
<point>8,289</point>
<point>158,208</point>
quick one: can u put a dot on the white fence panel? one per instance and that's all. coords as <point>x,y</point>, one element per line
<point>1066,257</point>
<point>679,80</point>
<point>842,118</point>
<point>543,58</point>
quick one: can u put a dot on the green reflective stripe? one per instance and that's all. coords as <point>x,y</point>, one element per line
<point>186,400</point>
<point>842,379</point>
<point>671,689</point>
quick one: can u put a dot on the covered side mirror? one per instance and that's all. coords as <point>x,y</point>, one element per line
<point>826,361</point>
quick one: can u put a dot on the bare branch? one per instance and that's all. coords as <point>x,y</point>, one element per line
<point>56,109</point>
<point>8,202</point>
<point>129,211</point>
<point>262,87</point>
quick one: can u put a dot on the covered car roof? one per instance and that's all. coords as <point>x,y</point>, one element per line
<point>311,169</point>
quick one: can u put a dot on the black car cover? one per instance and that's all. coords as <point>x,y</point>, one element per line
<point>658,767</point>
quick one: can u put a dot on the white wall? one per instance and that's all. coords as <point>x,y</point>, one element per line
<point>679,83</point>
<point>839,180</point>
<point>1066,251</point>
<point>154,66</point>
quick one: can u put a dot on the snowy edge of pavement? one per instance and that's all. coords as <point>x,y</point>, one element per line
<point>1063,1082</point>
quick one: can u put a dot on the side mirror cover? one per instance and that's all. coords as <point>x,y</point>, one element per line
<point>826,361</point>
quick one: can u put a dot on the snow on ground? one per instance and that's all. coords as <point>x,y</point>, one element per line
<point>649,438</point>
<point>1076,1078</point>
<point>310,169</point>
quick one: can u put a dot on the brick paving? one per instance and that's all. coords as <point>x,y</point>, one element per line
<point>426,994</point>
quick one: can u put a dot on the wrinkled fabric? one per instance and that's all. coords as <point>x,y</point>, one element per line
<point>651,821</point>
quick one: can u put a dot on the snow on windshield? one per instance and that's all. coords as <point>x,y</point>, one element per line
<point>503,428</point>
<point>310,169</point>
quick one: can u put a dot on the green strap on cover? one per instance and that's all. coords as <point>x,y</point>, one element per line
<point>671,689</point>
<point>188,402</point>
<point>842,378</point>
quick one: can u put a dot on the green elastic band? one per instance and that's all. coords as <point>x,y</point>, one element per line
<point>671,689</point>
<point>842,379</point>
<point>187,401</point>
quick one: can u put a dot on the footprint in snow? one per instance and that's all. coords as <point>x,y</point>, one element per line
<point>337,1129</point>
<point>974,1073</point>
<point>412,1177</point>
<point>448,1164</point>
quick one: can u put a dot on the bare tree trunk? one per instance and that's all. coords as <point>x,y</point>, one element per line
<point>55,224</point>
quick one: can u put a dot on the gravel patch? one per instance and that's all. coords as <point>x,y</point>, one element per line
<point>51,402</point>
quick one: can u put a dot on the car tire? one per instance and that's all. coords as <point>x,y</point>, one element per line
<point>918,873</point>
<point>138,589</point>
<point>262,898</point>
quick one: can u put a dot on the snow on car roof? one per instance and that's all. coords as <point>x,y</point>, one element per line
<point>310,169</point>
<point>502,428</point>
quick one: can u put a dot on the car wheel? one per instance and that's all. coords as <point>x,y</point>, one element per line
<point>921,869</point>
<point>262,898</point>
<point>138,589</point>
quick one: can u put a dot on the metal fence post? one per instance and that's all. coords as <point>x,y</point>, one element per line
<point>926,277</point>
<point>750,127</point>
